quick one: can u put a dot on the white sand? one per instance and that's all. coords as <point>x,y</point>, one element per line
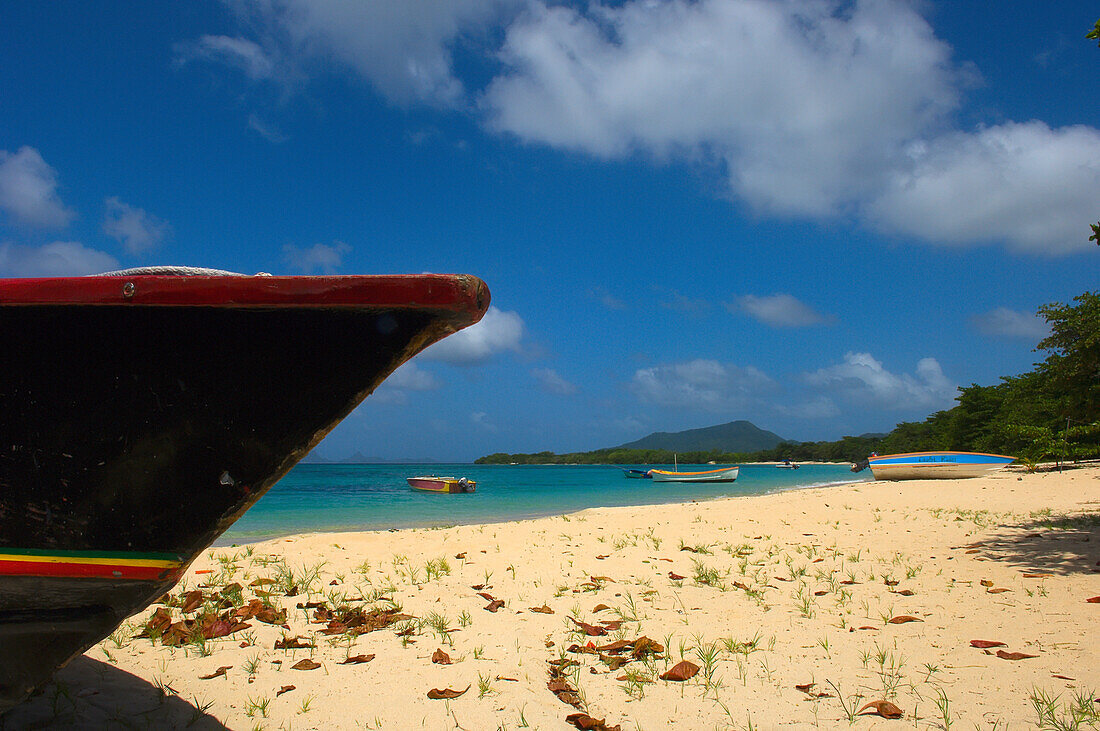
<point>766,603</point>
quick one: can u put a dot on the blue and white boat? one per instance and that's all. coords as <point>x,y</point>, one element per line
<point>935,465</point>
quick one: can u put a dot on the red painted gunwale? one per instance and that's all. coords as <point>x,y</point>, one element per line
<point>458,292</point>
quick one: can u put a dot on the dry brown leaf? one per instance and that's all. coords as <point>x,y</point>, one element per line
<point>683,670</point>
<point>494,605</point>
<point>1093,600</point>
<point>586,723</point>
<point>983,644</point>
<point>357,659</point>
<point>305,664</point>
<point>675,576</point>
<point>544,609</point>
<point>1013,655</point>
<point>447,693</point>
<point>191,601</point>
<point>590,629</point>
<point>904,592</point>
<point>219,673</point>
<point>805,687</point>
<point>600,608</point>
<point>1037,575</point>
<point>997,590</point>
<point>903,618</point>
<point>886,709</point>
<point>460,556</point>
<point>441,658</point>
<point>284,689</point>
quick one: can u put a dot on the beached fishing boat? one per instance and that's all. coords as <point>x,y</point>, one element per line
<point>726,474</point>
<point>935,465</point>
<point>636,474</point>
<point>141,413</point>
<point>431,483</point>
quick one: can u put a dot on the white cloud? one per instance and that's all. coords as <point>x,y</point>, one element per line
<point>809,108</point>
<point>268,131</point>
<point>807,104</point>
<point>58,259</point>
<point>1026,184</point>
<point>497,331</point>
<point>411,377</point>
<point>549,381</point>
<point>779,310</point>
<point>317,258</point>
<point>699,384</point>
<point>1003,322</point>
<point>481,419</point>
<point>813,108</point>
<point>248,56</point>
<point>403,48</point>
<point>408,377</point>
<point>607,299</point>
<point>137,230</point>
<point>863,379</point>
<point>28,190</point>
<point>817,407</point>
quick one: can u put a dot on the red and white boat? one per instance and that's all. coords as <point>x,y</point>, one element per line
<point>725,474</point>
<point>431,483</point>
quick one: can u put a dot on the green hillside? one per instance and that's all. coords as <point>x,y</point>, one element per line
<point>736,436</point>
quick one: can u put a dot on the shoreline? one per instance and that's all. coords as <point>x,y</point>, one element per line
<point>231,542</point>
<point>862,592</point>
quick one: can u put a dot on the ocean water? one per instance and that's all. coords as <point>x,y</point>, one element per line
<point>353,497</point>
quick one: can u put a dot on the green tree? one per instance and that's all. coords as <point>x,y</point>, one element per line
<point>1073,366</point>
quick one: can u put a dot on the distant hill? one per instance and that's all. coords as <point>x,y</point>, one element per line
<point>736,436</point>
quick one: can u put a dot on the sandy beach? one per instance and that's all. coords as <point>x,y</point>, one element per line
<point>956,604</point>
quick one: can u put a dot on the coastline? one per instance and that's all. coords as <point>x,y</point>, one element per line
<point>871,589</point>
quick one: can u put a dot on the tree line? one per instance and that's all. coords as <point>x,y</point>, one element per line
<point>1050,412</point>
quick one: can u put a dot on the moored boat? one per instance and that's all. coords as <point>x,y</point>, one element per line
<point>431,483</point>
<point>935,465</point>
<point>142,412</point>
<point>725,474</point>
<point>636,474</point>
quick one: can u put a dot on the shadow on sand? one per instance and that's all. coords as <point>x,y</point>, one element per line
<point>1058,544</point>
<point>89,694</point>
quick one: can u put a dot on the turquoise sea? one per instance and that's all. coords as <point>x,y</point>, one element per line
<point>350,497</point>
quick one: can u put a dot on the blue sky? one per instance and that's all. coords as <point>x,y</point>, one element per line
<point>819,216</point>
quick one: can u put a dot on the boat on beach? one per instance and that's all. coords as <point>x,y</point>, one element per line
<point>934,465</point>
<point>143,411</point>
<point>431,483</point>
<point>725,474</point>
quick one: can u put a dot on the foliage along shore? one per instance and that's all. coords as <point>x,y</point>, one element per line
<point>1050,412</point>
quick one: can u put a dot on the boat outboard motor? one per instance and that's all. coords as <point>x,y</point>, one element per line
<point>464,484</point>
<point>860,466</point>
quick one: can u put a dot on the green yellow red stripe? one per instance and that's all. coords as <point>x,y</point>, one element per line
<point>90,564</point>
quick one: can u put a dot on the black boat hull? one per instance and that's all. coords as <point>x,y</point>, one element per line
<point>132,436</point>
